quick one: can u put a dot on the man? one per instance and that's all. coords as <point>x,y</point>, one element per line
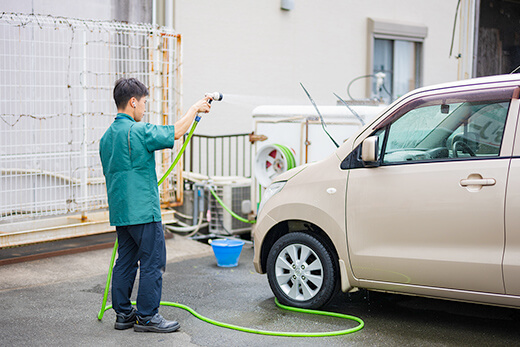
<point>127,155</point>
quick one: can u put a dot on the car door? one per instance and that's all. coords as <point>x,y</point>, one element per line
<point>431,211</point>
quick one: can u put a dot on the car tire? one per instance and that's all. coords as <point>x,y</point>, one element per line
<point>301,271</point>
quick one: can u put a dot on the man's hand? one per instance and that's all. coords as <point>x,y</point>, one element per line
<point>203,105</point>
<point>182,125</point>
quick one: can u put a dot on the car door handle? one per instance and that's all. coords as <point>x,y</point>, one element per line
<point>478,182</point>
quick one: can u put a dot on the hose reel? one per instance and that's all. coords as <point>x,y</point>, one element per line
<point>271,161</point>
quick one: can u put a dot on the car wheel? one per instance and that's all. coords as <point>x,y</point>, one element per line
<point>301,271</point>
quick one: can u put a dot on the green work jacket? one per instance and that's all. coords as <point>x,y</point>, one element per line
<point>127,155</point>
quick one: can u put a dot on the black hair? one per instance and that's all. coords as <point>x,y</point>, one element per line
<point>126,88</point>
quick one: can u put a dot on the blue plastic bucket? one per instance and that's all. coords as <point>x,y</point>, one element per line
<point>227,251</point>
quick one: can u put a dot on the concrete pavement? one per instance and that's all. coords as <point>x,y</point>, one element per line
<point>85,264</point>
<point>55,302</point>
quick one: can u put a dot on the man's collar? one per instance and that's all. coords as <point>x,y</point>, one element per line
<point>124,115</point>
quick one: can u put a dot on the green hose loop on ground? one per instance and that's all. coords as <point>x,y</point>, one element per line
<point>229,210</point>
<point>104,307</point>
<point>360,325</point>
<point>360,322</point>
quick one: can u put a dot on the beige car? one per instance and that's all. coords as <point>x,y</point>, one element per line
<point>424,200</point>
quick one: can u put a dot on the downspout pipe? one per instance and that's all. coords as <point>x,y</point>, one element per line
<point>168,13</point>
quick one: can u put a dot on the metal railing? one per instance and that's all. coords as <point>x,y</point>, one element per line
<point>223,155</point>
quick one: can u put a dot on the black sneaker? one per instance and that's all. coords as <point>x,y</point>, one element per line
<point>125,321</point>
<point>155,324</point>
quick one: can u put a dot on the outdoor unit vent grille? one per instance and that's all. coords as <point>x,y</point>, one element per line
<point>232,195</point>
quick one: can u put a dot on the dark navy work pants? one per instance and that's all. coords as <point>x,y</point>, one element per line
<point>143,246</point>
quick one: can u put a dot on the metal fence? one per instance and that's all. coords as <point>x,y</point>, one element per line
<point>225,155</point>
<point>56,81</point>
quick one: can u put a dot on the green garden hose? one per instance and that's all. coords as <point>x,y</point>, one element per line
<point>229,210</point>
<point>104,307</point>
<point>273,333</point>
<point>190,134</point>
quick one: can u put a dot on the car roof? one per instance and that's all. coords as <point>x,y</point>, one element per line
<point>488,81</point>
<point>496,79</point>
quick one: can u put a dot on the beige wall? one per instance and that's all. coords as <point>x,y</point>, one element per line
<point>251,47</point>
<point>254,49</point>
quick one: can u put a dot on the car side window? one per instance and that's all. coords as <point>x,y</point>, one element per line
<point>482,134</point>
<point>442,130</point>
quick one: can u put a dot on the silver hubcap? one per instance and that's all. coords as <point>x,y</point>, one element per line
<point>299,272</point>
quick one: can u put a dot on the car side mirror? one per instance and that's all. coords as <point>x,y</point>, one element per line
<point>370,151</point>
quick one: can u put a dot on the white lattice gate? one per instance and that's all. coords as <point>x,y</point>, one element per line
<point>56,82</point>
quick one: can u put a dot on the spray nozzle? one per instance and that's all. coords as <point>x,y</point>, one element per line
<point>215,96</point>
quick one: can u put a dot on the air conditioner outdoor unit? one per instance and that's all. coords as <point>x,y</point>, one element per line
<point>237,197</point>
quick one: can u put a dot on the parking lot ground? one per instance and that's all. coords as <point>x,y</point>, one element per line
<point>55,301</point>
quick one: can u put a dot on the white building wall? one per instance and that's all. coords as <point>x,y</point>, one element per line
<point>256,50</point>
<point>256,53</point>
